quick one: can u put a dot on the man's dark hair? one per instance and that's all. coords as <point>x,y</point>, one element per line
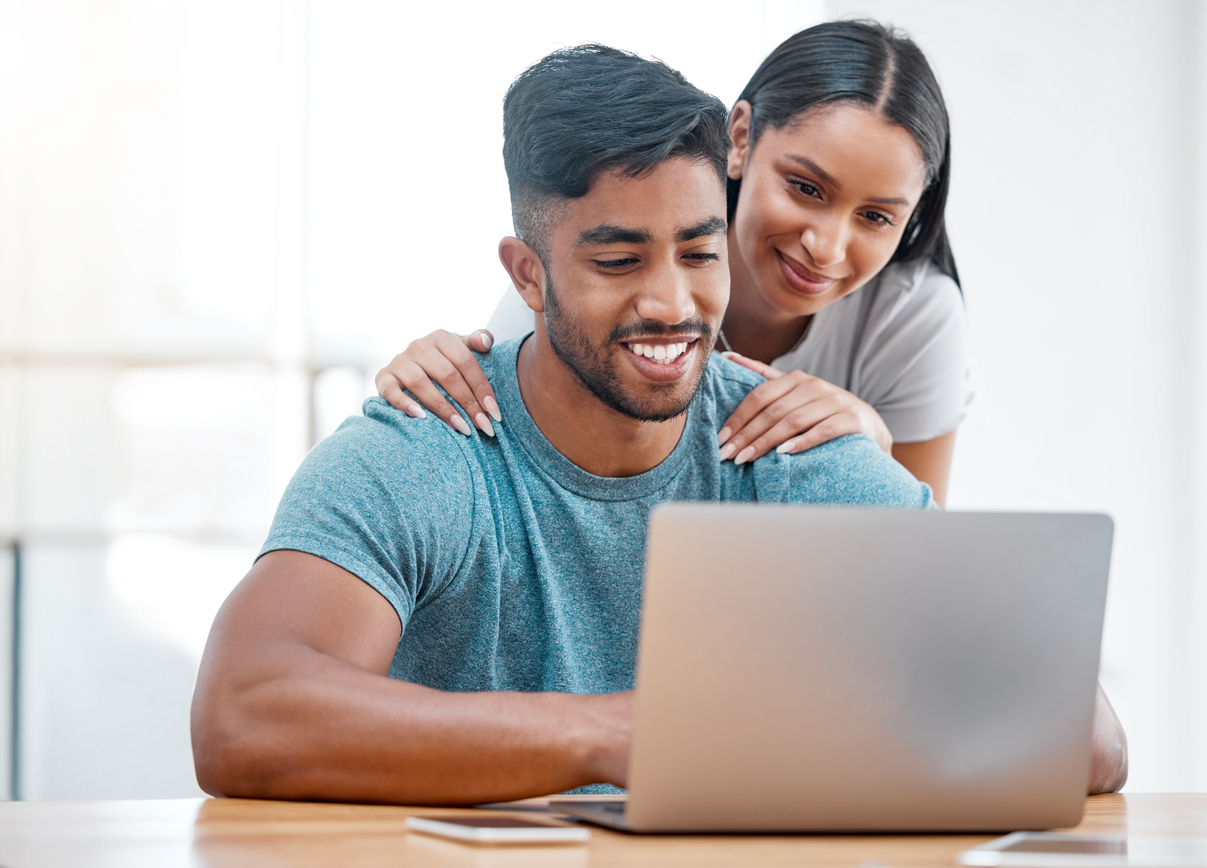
<point>589,109</point>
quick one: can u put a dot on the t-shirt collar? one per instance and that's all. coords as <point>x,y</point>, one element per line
<point>501,369</point>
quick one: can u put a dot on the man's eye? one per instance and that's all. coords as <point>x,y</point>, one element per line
<point>702,258</point>
<point>615,263</point>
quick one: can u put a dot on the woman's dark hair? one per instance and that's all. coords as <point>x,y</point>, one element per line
<point>867,64</point>
<point>588,109</point>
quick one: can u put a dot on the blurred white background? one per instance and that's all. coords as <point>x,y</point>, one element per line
<point>218,219</point>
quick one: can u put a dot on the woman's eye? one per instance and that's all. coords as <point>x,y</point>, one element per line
<point>806,188</point>
<point>878,218</point>
<point>615,264</point>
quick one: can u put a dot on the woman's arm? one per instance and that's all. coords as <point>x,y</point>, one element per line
<point>929,461</point>
<point>1108,752</point>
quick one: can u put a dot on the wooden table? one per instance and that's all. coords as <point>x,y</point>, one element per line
<point>244,833</point>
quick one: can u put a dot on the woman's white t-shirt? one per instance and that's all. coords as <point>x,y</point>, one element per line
<point>900,343</point>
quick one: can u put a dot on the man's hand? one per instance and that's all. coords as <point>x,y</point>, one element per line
<point>293,702</point>
<point>1108,752</point>
<point>613,717</point>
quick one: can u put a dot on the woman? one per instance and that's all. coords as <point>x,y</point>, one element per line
<point>844,293</point>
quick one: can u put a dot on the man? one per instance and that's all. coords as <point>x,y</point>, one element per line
<point>443,619</point>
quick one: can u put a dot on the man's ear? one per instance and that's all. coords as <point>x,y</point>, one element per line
<point>739,137</point>
<point>526,270</point>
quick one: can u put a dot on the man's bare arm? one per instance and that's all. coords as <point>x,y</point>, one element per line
<point>293,702</point>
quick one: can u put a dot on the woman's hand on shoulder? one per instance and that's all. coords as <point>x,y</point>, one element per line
<point>792,412</point>
<point>445,358</point>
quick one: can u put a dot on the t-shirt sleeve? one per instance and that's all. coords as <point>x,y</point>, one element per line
<point>916,370</point>
<point>512,317</point>
<point>848,471</point>
<point>386,497</point>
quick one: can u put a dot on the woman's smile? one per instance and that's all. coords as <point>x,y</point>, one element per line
<point>801,278</point>
<point>823,205</point>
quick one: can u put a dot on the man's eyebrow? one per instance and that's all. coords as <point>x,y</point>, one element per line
<point>833,182</point>
<point>711,226</point>
<point>608,234</point>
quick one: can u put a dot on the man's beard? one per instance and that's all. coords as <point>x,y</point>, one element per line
<point>597,372</point>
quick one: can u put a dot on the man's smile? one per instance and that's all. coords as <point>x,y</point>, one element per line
<point>662,354</point>
<point>662,362</point>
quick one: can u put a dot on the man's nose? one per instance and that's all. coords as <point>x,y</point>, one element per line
<point>826,241</point>
<point>666,297</point>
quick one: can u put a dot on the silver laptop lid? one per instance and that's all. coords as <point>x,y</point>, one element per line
<point>806,668</point>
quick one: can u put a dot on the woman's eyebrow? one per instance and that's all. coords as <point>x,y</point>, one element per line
<point>816,170</point>
<point>833,182</point>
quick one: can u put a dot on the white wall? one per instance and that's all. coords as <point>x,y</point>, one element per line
<point>1074,216</point>
<point>407,195</point>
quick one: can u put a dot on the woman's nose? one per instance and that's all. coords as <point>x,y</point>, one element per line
<point>826,244</point>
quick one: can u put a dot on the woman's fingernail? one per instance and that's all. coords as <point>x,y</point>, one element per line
<point>415,411</point>
<point>745,455</point>
<point>485,425</point>
<point>723,435</point>
<point>786,446</point>
<point>492,408</point>
<point>457,422</point>
<point>486,342</point>
<point>726,451</point>
<point>728,354</point>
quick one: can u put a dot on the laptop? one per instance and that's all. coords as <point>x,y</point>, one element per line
<point>807,669</point>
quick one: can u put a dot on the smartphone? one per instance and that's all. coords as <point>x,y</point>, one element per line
<point>497,829</point>
<point>1055,850</point>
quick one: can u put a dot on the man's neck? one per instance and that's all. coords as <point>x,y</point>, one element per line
<point>592,435</point>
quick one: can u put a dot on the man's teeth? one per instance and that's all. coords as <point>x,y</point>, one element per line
<point>663,354</point>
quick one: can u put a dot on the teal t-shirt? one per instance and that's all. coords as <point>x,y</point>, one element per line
<point>511,568</point>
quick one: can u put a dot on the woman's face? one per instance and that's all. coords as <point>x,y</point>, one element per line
<point>823,204</point>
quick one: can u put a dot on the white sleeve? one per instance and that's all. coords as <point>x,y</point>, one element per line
<point>512,317</point>
<point>916,370</point>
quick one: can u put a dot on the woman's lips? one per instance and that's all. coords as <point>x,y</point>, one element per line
<point>801,279</point>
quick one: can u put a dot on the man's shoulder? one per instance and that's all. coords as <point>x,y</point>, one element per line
<point>725,384</point>
<point>388,445</point>
<point>849,470</point>
<point>854,471</point>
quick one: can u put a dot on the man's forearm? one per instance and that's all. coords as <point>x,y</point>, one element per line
<point>305,725</point>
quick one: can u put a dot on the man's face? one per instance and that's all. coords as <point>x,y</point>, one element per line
<point>637,284</point>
